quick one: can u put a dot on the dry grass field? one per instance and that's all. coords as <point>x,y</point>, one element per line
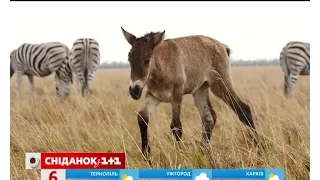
<point>108,122</point>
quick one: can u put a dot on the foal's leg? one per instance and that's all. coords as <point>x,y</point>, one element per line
<point>176,126</point>
<point>30,77</point>
<point>207,114</point>
<point>143,120</point>
<point>222,88</point>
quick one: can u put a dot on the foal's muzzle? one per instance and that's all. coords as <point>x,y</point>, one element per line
<point>135,92</point>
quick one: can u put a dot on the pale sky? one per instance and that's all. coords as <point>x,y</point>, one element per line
<point>253,30</point>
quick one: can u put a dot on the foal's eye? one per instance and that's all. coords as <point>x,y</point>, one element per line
<point>147,61</point>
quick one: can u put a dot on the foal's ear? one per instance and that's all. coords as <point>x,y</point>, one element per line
<point>129,37</point>
<point>158,38</point>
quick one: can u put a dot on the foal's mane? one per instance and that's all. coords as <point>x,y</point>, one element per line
<point>148,35</point>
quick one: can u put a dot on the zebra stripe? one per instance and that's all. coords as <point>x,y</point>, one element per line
<point>37,60</point>
<point>294,61</point>
<point>84,61</point>
<point>64,78</point>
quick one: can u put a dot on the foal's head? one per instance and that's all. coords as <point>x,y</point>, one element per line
<point>139,58</point>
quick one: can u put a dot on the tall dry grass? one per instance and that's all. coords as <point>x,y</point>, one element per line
<point>108,122</point>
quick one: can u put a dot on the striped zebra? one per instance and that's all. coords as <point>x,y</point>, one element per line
<point>294,61</point>
<point>38,60</point>
<point>63,78</point>
<point>84,60</point>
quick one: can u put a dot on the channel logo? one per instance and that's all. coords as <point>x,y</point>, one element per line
<point>33,160</point>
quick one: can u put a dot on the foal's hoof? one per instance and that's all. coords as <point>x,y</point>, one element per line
<point>146,152</point>
<point>204,144</point>
<point>147,155</point>
<point>177,134</point>
<point>177,137</point>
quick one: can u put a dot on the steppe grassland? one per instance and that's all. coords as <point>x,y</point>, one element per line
<point>108,123</point>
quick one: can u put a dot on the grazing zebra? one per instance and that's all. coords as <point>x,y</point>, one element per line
<point>64,78</point>
<point>37,60</point>
<point>294,61</point>
<point>84,60</point>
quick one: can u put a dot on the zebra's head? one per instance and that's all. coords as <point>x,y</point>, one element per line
<point>12,60</point>
<point>62,87</point>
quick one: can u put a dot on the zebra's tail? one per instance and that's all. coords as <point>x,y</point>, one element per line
<point>85,65</point>
<point>85,73</point>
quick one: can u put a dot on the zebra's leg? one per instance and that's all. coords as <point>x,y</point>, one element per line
<point>286,85</point>
<point>78,85</point>
<point>291,81</point>
<point>79,82</point>
<point>87,88</point>
<point>30,77</point>
<point>89,85</point>
<point>90,79</point>
<point>18,80</point>
<point>83,89</point>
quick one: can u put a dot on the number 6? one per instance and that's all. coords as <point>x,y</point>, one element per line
<point>52,175</point>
